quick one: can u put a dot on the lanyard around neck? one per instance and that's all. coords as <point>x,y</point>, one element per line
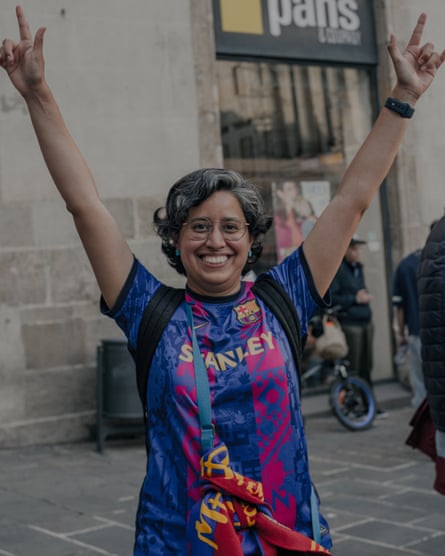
<point>202,390</point>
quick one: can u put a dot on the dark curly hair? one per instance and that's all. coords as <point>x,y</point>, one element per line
<point>194,188</point>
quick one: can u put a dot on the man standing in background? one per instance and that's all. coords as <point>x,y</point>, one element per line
<point>349,290</point>
<point>406,302</point>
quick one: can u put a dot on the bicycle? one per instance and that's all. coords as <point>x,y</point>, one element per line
<point>350,397</point>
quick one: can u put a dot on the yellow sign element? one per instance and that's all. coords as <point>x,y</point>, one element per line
<point>241,16</point>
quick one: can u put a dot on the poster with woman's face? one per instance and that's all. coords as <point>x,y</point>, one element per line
<point>297,205</point>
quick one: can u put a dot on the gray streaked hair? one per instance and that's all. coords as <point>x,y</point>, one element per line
<point>194,188</point>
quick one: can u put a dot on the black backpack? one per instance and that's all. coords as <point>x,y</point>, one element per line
<point>166,300</point>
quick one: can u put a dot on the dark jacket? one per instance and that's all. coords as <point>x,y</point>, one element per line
<point>431,286</point>
<point>347,282</point>
<point>405,294</point>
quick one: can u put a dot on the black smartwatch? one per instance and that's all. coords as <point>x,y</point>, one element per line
<point>403,109</point>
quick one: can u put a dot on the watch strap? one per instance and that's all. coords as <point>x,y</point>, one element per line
<point>403,109</point>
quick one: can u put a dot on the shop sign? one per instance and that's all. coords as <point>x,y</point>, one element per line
<point>339,31</point>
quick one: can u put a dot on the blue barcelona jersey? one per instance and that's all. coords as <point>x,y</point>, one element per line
<point>254,396</point>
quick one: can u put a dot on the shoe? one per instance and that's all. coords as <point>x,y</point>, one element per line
<point>380,413</point>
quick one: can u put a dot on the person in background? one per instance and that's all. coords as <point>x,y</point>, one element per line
<point>431,290</point>
<point>406,302</point>
<point>349,290</point>
<point>211,231</point>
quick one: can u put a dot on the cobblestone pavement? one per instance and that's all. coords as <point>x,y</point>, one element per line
<point>68,500</point>
<point>376,492</point>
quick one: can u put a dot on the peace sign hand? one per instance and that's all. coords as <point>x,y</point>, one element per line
<point>417,66</point>
<point>23,60</point>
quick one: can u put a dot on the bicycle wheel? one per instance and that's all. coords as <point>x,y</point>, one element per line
<point>353,403</point>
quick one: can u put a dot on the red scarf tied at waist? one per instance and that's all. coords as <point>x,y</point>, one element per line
<point>232,514</point>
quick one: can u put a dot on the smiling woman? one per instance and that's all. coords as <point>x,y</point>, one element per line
<point>196,187</point>
<point>211,231</point>
<point>213,263</point>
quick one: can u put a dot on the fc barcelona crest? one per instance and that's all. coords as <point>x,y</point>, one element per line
<point>248,312</point>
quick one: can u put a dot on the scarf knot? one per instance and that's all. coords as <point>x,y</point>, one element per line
<point>233,518</point>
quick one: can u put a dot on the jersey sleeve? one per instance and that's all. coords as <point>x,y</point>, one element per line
<point>294,274</point>
<point>128,310</point>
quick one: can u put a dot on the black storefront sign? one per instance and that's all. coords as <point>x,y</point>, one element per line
<point>338,31</point>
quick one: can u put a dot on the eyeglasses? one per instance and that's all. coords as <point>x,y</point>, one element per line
<point>199,229</point>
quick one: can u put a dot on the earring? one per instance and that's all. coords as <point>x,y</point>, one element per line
<point>250,253</point>
<point>177,252</point>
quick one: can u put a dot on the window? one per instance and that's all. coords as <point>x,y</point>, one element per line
<point>292,123</point>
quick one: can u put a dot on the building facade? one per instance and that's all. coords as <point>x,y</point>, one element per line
<point>153,92</point>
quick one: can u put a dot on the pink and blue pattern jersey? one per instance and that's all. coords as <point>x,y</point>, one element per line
<point>255,403</point>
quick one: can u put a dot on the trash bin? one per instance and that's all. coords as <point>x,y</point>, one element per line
<point>119,409</point>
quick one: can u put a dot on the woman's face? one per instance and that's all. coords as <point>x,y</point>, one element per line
<point>214,263</point>
<point>290,190</point>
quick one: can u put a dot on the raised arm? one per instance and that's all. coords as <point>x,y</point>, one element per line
<point>107,250</point>
<point>326,244</point>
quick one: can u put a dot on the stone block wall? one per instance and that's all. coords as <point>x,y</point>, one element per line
<point>415,191</point>
<point>126,81</point>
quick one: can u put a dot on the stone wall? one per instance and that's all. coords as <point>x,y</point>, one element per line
<point>416,191</point>
<point>126,81</point>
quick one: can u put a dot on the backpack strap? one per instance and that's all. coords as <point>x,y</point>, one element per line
<point>158,312</point>
<point>277,299</point>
